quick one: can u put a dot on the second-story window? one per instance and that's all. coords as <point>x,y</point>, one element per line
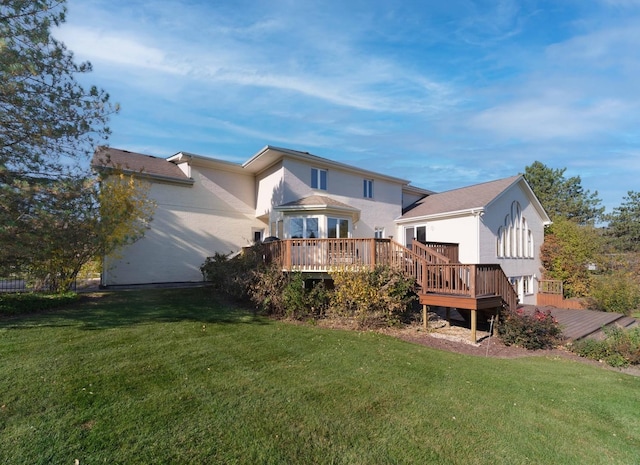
<point>319,179</point>
<point>368,188</point>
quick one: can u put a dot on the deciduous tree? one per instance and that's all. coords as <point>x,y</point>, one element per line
<point>86,218</point>
<point>567,252</point>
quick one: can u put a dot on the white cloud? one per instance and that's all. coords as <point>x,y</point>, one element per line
<point>544,119</point>
<point>117,49</point>
<point>368,83</point>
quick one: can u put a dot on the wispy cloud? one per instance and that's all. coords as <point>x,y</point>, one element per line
<point>443,93</point>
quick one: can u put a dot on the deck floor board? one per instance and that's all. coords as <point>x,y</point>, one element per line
<point>578,324</point>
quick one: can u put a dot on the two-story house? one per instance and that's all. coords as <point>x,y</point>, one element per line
<point>206,205</point>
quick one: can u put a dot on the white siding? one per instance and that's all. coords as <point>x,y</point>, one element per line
<point>347,187</point>
<point>217,214</point>
<point>462,230</point>
<point>493,219</point>
<point>409,199</point>
<point>270,189</point>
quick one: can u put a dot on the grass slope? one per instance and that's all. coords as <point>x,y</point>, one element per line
<point>173,376</point>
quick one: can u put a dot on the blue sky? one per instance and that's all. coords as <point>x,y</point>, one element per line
<point>443,93</point>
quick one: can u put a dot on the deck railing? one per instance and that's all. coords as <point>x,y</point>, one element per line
<point>444,249</point>
<point>434,272</point>
<point>431,252</point>
<point>550,286</point>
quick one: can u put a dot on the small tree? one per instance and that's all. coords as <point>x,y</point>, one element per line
<point>85,219</point>
<point>567,252</point>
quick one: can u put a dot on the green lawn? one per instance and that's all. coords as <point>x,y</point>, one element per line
<point>174,376</point>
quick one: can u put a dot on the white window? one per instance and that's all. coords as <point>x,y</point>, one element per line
<point>301,227</point>
<point>337,228</point>
<point>319,179</point>
<point>368,188</point>
<point>514,238</point>
<point>527,284</point>
<point>378,233</point>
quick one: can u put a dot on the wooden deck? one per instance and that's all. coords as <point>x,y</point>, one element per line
<point>431,264</point>
<point>580,324</point>
<point>441,279</point>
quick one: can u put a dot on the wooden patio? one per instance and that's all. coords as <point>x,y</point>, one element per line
<point>580,324</point>
<point>441,279</point>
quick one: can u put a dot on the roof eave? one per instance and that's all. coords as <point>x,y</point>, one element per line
<point>444,215</point>
<point>143,175</point>
<point>353,212</point>
<point>305,156</point>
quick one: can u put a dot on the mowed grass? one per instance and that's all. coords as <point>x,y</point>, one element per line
<point>175,376</point>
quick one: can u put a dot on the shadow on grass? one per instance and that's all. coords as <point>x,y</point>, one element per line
<point>104,310</point>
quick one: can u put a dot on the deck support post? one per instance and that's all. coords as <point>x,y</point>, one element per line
<point>474,320</point>
<point>425,317</point>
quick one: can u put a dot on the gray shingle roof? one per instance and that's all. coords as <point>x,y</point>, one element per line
<point>465,198</point>
<point>146,165</point>
<point>317,201</point>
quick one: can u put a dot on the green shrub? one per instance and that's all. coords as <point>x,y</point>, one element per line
<point>539,330</point>
<point>619,348</point>
<point>288,295</point>
<point>617,292</point>
<point>380,296</point>
<point>267,290</point>
<point>233,276</point>
<point>21,303</point>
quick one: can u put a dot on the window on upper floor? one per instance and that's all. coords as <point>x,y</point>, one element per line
<point>515,239</point>
<point>368,188</point>
<point>378,233</point>
<point>318,179</point>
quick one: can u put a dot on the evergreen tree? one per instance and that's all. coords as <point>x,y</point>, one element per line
<point>563,197</point>
<point>51,220</point>
<point>624,224</point>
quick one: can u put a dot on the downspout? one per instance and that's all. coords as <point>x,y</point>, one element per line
<point>477,214</point>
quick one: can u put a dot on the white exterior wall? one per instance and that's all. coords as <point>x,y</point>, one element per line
<point>513,267</point>
<point>409,199</point>
<point>347,187</point>
<point>216,214</point>
<point>270,188</point>
<point>462,230</point>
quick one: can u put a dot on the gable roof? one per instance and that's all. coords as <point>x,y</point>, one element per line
<point>107,158</point>
<point>269,155</point>
<point>469,199</point>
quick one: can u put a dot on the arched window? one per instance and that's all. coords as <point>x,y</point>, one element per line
<point>514,238</point>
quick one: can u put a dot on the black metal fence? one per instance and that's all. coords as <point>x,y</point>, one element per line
<point>26,283</point>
